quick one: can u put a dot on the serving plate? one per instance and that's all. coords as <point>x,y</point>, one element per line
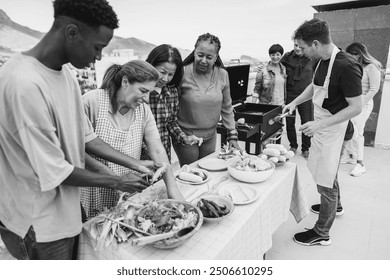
<point>240,194</point>
<point>212,164</point>
<point>194,183</point>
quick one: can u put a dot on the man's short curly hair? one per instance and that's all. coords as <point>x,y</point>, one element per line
<point>314,29</point>
<point>92,12</point>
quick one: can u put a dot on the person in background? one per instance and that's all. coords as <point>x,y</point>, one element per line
<point>205,96</point>
<point>44,134</point>
<point>270,83</point>
<point>120,117</point>
<point>299,70</point>
<point>164,99</point>
<point>336,92</point>
<point>370,86</point>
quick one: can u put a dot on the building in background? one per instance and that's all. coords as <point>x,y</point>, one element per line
<point>118,56</point>
<point>366,22</point>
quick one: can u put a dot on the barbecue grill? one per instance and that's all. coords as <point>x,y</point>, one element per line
<point>261,122</point>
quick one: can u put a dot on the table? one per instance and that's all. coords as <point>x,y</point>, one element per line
<point>245,234</point>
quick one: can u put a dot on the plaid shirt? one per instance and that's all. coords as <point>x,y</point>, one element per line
<point>164,107</point>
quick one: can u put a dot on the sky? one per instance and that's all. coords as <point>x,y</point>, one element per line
<point>244,27</point>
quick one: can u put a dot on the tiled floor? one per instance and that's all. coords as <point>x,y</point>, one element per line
<point>362,233</point>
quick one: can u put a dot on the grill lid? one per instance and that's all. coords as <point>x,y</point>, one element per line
<point>238,79</point>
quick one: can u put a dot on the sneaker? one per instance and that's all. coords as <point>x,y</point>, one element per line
<point>346,158</point>
<point>316,209</point>
<point>358,170</point>
<point>310,238</point>
<point>305,154</point>
<point>294,150</point>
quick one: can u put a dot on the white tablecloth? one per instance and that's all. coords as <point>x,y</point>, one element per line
<point>245,234</point>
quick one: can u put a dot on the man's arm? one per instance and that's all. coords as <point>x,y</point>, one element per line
<point>101,149</point>
<point>354,108</point>
<point>127,183</point>
<point>94,165</point>
<point>306,95</point>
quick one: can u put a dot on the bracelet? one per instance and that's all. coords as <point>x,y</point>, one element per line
<point>232,135</point>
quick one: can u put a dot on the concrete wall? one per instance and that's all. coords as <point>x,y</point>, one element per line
<point>371,27</point>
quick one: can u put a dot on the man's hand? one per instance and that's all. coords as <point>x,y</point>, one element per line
<point>147,167</point>
<point>310,128</point>
<point>132,183</point>
<point>289,108</point>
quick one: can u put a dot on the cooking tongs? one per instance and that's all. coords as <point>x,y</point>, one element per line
<point>278,118</point>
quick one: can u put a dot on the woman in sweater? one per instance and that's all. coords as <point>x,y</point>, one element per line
<point>205,96</point>
<point>370,86</point>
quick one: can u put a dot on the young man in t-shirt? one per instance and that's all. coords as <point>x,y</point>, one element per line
<point>336,94</point>
<point>44,134</point>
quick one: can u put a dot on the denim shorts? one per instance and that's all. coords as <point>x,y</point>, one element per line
<point>27,248</point>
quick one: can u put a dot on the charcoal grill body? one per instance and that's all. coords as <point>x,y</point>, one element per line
<point>256,115</point>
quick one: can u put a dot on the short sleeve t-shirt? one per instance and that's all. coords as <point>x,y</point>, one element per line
<point>43,130</point>
<point>345,81</point>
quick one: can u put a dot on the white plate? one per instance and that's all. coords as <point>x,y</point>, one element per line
<point>247,193</point>
<point>193,183</point>
<point>213,164</point>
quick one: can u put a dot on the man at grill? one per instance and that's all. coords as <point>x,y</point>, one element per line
<point>336,92</point>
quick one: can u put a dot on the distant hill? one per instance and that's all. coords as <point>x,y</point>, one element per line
<point>15,38</point>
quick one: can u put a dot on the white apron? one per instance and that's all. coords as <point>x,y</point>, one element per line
<point>127,142</point>
<point>326,144</point>
<point>94,200</point>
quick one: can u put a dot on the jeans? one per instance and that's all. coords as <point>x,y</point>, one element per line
<point>28,248</point>
<point>305,111</point>
<point>187,154</point>
<point>330,201</point>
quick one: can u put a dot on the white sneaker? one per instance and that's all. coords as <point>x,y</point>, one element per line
<point>358,170</point>
<point>346,158</point>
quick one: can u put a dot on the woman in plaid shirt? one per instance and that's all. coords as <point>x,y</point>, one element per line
<point>164,99</point>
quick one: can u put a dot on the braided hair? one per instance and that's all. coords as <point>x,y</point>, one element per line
<point>212,39</point>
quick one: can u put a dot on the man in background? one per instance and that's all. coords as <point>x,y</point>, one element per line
<point>299,75</point>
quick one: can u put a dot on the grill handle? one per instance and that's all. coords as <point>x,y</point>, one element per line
<point>278,119</point>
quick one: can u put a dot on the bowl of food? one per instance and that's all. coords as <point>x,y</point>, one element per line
<point>165,216</point>
<point>250,169</point>
<point>214,208</point>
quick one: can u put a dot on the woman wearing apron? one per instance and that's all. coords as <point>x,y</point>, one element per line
<point>335,90</point>
<point>122,119</point>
